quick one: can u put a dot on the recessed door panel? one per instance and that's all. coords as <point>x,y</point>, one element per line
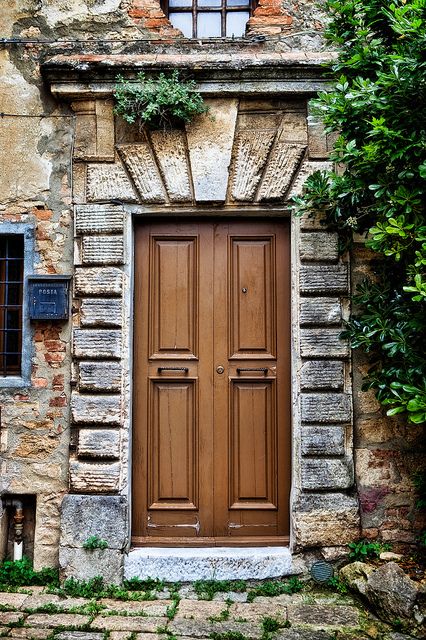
<point>173,439</point>
<point>252,307</point>
<point>253,445</point>
<point>173,303</point>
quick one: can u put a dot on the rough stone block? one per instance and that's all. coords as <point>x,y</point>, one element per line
<point>326,407</point>
<point>141,166</point>
<point>325,519</point>
<point>324,615</point>
<point>99,443</point>
<point>94,135</point>
<point>92,477</point>
<point>283,163</point>
<point>322,374</point>
<point>44,620</point>
<point>99,376</point>
<point>97,343</point>
<point>102,516</point>
<point>307,169</point>
<point>210,139</point>
<point>170,151</point>
<point>331,475</point>
<point>320,311</point>
<point>83,564</point>
<point>331,278</point>
<point>101,312</point>
<point>130,623</point>
<point>322,245</point>
<point>324,343</point>
<point>323,441</point>
<point>102,250</point>
<point>98,218</point>
<point>100,281</point>
<point>91,409</point>
<point>108,182</point>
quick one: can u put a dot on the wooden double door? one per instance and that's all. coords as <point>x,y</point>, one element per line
<point>211,426</point>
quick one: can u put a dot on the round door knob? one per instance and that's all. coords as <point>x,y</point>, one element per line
<point>220,369</point>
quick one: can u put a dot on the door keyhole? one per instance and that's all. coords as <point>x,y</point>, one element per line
<point>244,289</point>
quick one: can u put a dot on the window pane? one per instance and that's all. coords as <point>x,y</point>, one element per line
<point>209,25</point>
<point>236,23</point>
<point>182,21</point>
<point>237,3</point>
<point>180,3</point>
<point>209,3</point>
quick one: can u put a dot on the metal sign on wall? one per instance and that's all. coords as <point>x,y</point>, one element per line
<point>48,297</point>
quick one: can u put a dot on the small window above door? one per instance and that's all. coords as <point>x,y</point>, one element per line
<point>210,18</point>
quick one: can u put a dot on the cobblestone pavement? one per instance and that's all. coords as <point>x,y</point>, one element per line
<point>310,615</point>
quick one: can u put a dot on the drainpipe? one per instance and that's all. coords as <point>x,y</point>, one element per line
<point>18,521</point>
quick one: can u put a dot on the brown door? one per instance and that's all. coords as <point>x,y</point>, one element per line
<point>211,442</point>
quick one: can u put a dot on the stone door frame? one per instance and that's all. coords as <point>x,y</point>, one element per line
<point>323,507</point>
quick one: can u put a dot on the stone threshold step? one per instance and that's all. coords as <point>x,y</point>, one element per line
<point>208,563</point>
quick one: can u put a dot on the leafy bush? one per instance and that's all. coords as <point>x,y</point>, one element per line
<point>378,108</point>
<point>20,573</point>
<point>160,103</point>
<point>362,550</point>
<point>94,542</point>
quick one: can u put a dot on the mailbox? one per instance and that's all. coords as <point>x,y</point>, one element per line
<point>48,297</point>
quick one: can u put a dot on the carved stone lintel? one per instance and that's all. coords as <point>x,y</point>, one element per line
<point>108,182</point>
<point>141,166</point>
<point>283,163</point>
<point>170,151</point>
<point>250,154</point>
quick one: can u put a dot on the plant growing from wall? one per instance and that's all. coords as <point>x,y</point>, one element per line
<point>377,106</point>
<point>95,542</point>
<point>160,103</point>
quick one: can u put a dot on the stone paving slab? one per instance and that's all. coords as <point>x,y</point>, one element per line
<point>336,616</point>
<point>56,620</point>
<point>200,629</point>
<point>3,630</point>
<point>257,611</point>
<point>129,623</point>
<point>13,600</point>
<point>26,633</point>
<point>303,634</point>
<point>40,600</point>
<point>65,604</point>
<point>79,635</point>
<point>199,609</point>
<point>10,617</point>
<point>147,607</point>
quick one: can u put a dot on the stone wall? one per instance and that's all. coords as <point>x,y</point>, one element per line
<point>63,202</point>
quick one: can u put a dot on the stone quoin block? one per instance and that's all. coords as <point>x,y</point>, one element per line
<point>325,519</point>
<point>98,312</point>
<point>323,374</point>
<point>331,278</point>
<point>102,516</point>
<point>251,149</point>
<point>332,474</point>
<point>325,407</point>
<point>321,245</point>
<point>282,165</point>
<point>98,218</point>
<point>98,443</point>
<point>102,250</point>
<point>99,376</point>
<point>320,311</point>
<point>324,343</point>
<point>92,477</point>
<point>91,409</point>
<point>84,564</point>
<point>98,281</point>
<point>108,182</point>
<point>323,441</point>
<point>171,154</point>
<point>141,166</point>
<point>97,343</point>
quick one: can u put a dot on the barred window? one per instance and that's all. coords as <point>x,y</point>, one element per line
<point>11,294</point>
<point>209,18</point>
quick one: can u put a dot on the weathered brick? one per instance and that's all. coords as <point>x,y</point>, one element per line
<point>91,477</point>
<point>322,374</point>
<point>99,376</point>
<point>320,311</point>
<point>99,443</point>
<point>100,281</point>
<point>97,343</point>
<point>332,474</point>
<point>331,278</point>
<point>102,250</point>
<point>325,407</point>
<point>323,342</point>
<point>323,440</point>
<point>93,219</point>
<point>101,312</point>
<point>91,409</point>
<point>321,245</point>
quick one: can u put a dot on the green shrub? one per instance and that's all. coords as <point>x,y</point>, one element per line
<point>94,542</point>
<point>19,573</point>
<point>161,103</point>
<point>363,550</point>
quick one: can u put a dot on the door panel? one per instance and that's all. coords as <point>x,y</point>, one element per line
<point>211,459</point>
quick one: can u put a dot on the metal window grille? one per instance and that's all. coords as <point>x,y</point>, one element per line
<point>209,18</point>
<point>11,292</point>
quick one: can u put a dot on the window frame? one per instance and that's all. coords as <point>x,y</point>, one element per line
<point>27,231</point>
<point>223,9</point>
